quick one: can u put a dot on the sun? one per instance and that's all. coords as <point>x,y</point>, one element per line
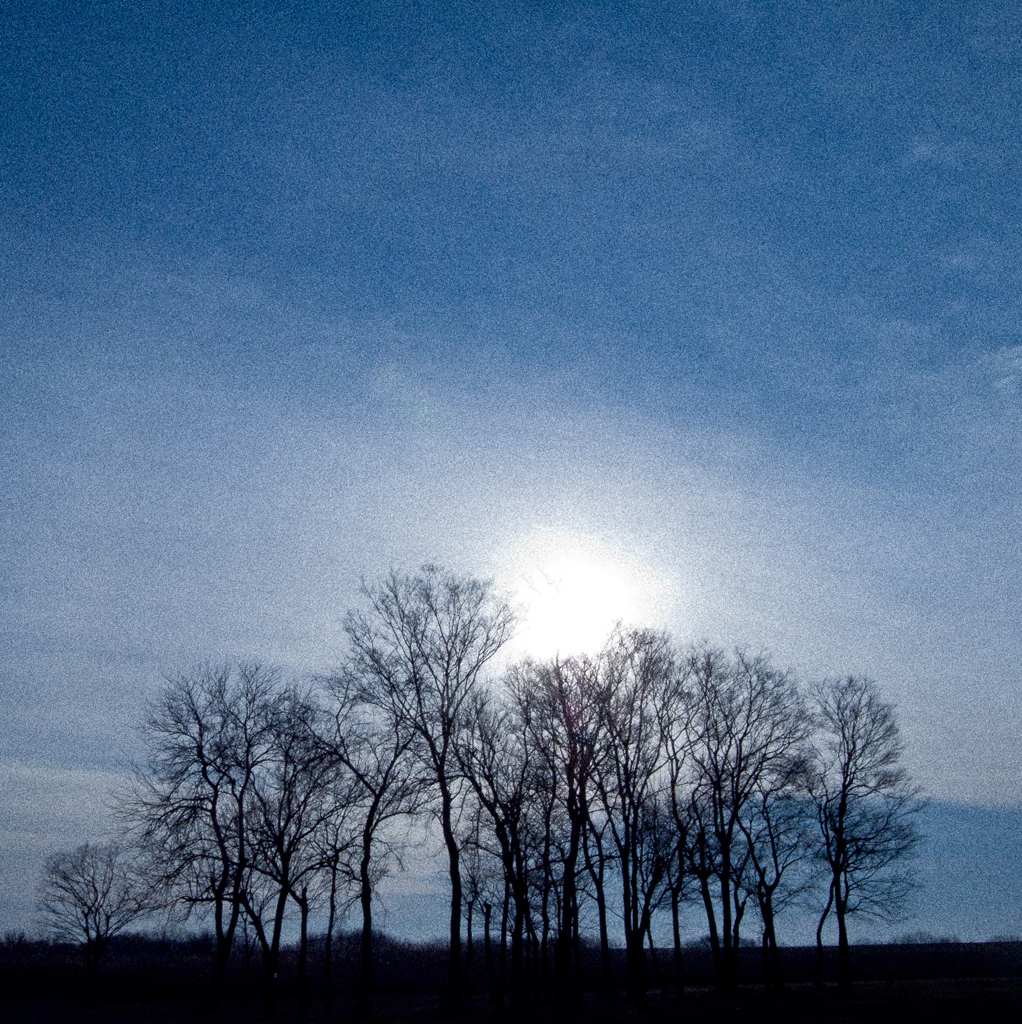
<point>573,591</point>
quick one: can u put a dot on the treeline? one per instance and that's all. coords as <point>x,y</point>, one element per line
<point>646,774</point>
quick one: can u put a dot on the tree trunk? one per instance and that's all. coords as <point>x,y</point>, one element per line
<point>635,956</point>
<point>92,954</point>
<point>303,955</point>
<point>711,922</point>
<point>271,956</point>
<point>328,949</point>
<point>532,960</point>
<point>518,956</point>
<point>775,962</point>
<point>679,966</point>
<point>635,960</point>
<point>224,943</point>
<point>729,972</point>
<point>844,956</point>
<point>654,961</point>
<point>488,951</point>
<point>818,973</point>
<point>454,998</point>
<point>606,971</point>
<point>502,967</point>
<point>562,947</point>
<point>544,943</point>
<point>576,952</point>
<point>773,979</point>
<point>470,910</point>
<point>642,931</point>
<point>596,872</point>
<point>247,970</point>
<point>736,942</point>
<point>365,984</point>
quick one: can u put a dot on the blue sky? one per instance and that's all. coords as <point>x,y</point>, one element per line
<point>725,294</point>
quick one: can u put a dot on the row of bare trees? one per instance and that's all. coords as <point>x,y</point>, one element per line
<point>643,775</point>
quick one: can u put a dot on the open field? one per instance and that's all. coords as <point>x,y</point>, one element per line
<point>165,985</point>
<point>926,1002</point>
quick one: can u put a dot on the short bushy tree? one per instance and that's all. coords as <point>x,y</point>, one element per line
<point>88,895</point>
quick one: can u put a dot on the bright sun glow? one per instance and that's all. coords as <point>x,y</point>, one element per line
<point>573,592</point>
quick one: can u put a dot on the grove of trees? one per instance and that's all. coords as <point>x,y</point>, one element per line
<point>619,784</point>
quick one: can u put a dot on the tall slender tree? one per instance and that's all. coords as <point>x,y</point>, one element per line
<point>568,698</point>
<point>778,832</point>
<point>866,808</point>
<point>675,734</point>
<point>374,749</point>
<point>289,805</point>
<point>421,646</point>
<point>639,667</point>
<point>499,764</point>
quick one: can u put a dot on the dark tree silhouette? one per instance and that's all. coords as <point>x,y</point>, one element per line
<point>639,667</point>
<point>88,895</point>
<point>288,806</point>
<point>373,749</point>
<point>499,763</point>
<point>421,648</point>
<point>675,711</point>
<point>778,831</point>
<point>596,851</point>
<point>680,775</point>
<point>745,724</point>
<point>208,734</point>
<point>865,807</point>
<point>568,705</point>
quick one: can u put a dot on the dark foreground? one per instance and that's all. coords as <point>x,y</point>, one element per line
<point>164,983</point>
<point>926,1002</point>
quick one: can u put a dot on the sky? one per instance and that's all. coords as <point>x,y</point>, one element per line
<point>699,315</point>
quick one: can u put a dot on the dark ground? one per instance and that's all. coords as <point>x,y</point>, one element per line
<point>925,1002</point>
<point>165,984</point>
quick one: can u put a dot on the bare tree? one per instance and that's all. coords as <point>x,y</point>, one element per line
<point>334,841</point>
<point>500,765</point>
<point>596,844</point>
<point>778,831</point>
<point>675,711</point>
<point>568,707</point>
<point>88,895</point>
<point>421,648</point>
<point>374,749</point>
<point>639,666</point>
<point>208,735</point>
<point>288,806</point>
<point>865,806</point>
<point>546,828</point>
<point>678,880</point>
<point>746,722</point>
<point>482,880</point>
